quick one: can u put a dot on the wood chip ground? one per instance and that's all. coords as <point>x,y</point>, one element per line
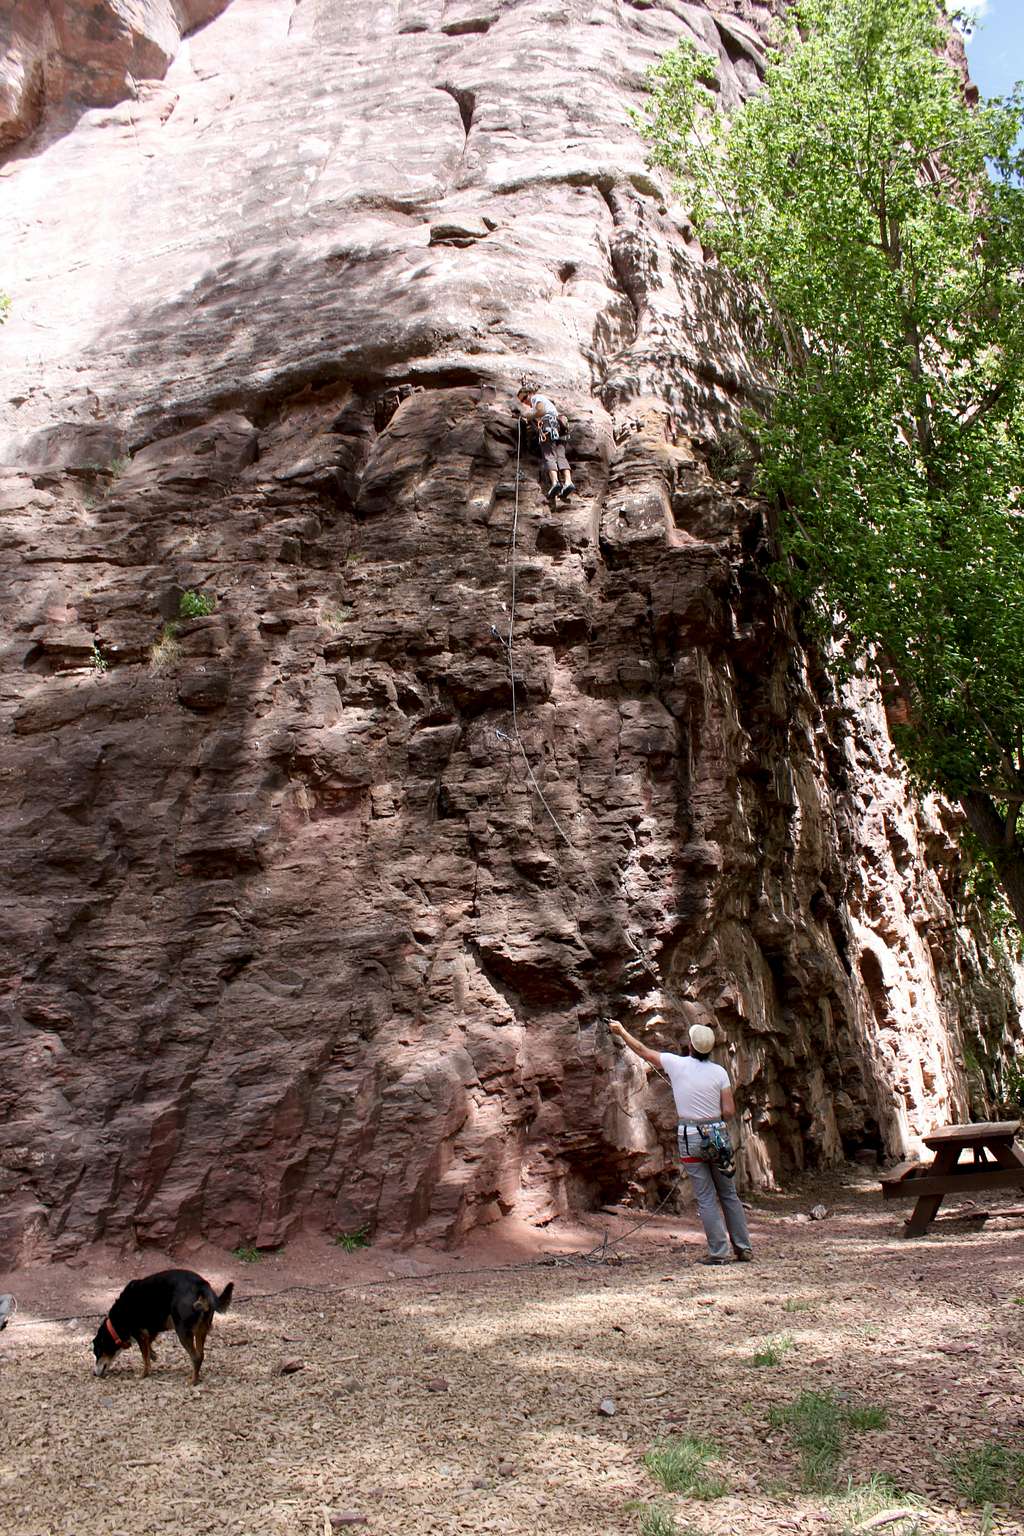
<point>514,1441</point>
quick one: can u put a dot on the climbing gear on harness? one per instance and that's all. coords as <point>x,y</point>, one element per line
<point>549,428</point>
<point>711,1144</point>
<point>715,1147</point>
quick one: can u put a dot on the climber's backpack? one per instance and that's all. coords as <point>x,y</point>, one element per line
<point>715,1147</point>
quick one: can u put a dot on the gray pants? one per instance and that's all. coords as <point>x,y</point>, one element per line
<point>552,456</point>
<point>721,1213</point>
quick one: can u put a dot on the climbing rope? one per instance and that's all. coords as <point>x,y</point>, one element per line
<point>516,739</point>
<point>509,646</point>
<point>596,1255</point>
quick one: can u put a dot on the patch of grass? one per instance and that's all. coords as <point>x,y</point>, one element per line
<point>988,1474</point>
<point>681,1466</point>
<point>774,1487</point>
<point>797,1304</point>
<point>351,1241</point>
<point>819,1424</point>
<point>97,660</point>
<point>860,1501</point>
<point>868,1417</point>
<point>334,618</point>
<point>655,1520</point>
<point>772,1351</point>
<point>247,1254</point>
<point>195,605</point>
<point>166,653</point>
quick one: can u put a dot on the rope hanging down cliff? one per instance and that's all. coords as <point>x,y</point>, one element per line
<point>515,738</point>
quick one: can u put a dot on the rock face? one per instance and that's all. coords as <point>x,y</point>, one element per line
<point>305,922</point>
<point>58,56</point>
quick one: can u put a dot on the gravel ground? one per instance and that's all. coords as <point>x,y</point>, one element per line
<point>470,1402</point>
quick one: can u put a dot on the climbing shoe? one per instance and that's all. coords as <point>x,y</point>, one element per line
<point>553,493</point>
<point>566,490</point>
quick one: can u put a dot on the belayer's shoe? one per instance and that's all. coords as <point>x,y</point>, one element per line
<point>744,1255</point>
<point>712,1260</point>
<point>566,490</point>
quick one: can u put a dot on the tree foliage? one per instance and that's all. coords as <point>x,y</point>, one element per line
<point>875,212</point>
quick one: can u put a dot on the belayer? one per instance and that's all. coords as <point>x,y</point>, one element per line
<point>704,1101</point>
<point>552,432</point>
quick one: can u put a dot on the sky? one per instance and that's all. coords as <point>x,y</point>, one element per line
<point>995,49</point>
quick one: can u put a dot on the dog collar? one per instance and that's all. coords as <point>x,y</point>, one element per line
<point>110,1329</point>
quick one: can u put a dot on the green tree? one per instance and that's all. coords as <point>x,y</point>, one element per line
<point>874,214</point>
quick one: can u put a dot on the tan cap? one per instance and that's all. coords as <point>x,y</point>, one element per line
<point>702,1038</point>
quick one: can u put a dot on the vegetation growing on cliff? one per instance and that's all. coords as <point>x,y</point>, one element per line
<point>877,217</point>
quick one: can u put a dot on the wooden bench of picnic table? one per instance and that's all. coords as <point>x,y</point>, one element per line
<point>996,1163</point>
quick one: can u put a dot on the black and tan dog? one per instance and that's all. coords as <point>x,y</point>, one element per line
<point>174,1298</point>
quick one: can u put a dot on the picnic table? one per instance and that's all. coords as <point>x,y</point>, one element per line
<point>997,1162</point>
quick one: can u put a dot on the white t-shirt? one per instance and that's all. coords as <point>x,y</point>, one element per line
<point>547,407</point>
<point>696,1087</point>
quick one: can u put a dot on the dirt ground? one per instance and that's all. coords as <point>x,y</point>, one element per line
<point>429,1393</point>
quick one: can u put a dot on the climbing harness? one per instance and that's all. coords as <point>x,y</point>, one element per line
<point>714,1146</point>
<point>549,428</point>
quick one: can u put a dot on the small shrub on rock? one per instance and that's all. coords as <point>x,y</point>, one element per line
<point>195,605</point>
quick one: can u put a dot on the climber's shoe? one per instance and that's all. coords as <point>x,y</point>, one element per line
<point>553,493</point>
<point>566,489</point>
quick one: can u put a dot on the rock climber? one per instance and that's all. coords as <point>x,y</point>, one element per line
<point>552,429</point>
<point>704,1101</point>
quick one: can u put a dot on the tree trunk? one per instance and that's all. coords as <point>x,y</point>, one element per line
<point>989,827</point>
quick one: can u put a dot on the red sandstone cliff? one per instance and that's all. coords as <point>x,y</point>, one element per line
<point>288,935</point>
